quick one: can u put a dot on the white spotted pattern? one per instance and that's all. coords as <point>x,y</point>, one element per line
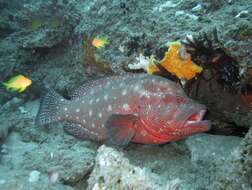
<point>90,102</point>
<point>90,113</point>
<point>126,107</point>
<point>143,133</point>
<point>124,92</point>
<point>100,115</point>
<point>109,108</point>
<point>108,84</point>
<point>136,88</point>
<point>105,97</point>
<point>92,92</point>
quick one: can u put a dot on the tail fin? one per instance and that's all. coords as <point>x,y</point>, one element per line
<point>49,108</point>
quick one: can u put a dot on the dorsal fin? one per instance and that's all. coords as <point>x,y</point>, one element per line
<point>86,87</point>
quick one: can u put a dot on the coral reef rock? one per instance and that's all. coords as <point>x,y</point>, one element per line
<point>30,156</point>
<point>113,171</point>
<point>236,170</point>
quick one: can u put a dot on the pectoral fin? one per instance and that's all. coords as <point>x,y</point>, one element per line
<point>22,89</point>
<point>120,128</point>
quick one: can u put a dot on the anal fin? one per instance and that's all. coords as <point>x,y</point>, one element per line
<point>76,130</point>
<point>120,128</point>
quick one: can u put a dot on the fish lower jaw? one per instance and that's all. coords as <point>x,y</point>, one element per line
<point>203,125</point>
<point>191,122</point>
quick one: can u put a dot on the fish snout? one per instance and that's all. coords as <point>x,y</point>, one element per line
<point>195,122</point>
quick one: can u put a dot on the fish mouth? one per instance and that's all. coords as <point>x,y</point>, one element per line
<point>198,116</point>
<point>196,121</point>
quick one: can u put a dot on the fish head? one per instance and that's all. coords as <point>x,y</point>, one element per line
<point>174,116</point>
<point>27,82</point>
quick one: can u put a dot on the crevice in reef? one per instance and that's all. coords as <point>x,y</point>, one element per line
<point>219,86</point>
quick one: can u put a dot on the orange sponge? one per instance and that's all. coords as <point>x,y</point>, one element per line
<point>177,62</point>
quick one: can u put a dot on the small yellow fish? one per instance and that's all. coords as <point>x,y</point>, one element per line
<point>18,83</point>
<point>100,42</point>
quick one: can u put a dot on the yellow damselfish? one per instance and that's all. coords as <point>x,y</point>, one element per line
<point>100,42</point>
<point>177,62</point>
<point>18,83</point>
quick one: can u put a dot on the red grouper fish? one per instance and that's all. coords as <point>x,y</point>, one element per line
<point>140,108</point>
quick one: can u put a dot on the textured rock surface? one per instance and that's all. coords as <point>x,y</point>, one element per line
<point>39,33</point>
<point>13,173</point>
<point>43,46</point>
<point>47,41</point>
<point>46,150</point>
<point>113,171</point>
<point>203,148</point>
<point>237,168</point>
<point>191,164</point>
<point>194,161</point>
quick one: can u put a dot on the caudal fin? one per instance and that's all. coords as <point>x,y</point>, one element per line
<point>49,108</point>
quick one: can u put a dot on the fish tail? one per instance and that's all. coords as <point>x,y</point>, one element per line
<point>6,85</point>
<point>49,108</point>
<point>105,40</point>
